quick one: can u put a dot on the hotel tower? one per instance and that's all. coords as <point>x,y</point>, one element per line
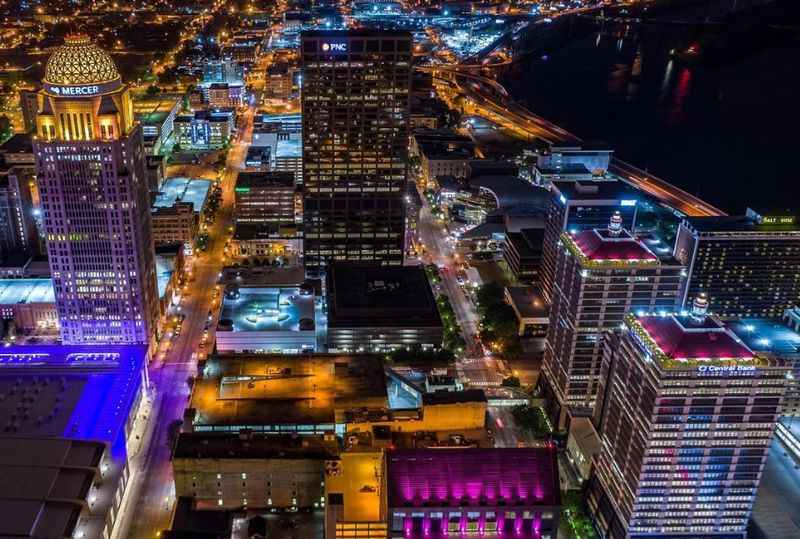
<point>90,170</point>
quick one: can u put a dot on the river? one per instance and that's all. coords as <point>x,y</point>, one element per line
<point>725,130</point>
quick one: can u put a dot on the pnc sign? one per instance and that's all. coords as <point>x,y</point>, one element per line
<point>334,46</point>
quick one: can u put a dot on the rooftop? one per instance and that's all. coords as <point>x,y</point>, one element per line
<point>79,61</point>
<point>767,335</point>
<point>44,484</point>
<point>681,341</point>
<point>291,147</point>
<point>13,291</point>
<point>380,296</point>
<point>463,477</point>
<point>184,190</point>
<point>270,390</point>
<point>18,143</point>
<point>743,223</point>
<point>453,397</point>
<point>165,267</point>
<point>267,309</point>
<point>600,248</point>
<point>528,242</point>
<point>355,33</point>
<point>77,392</point>
<point>612,190</point>
<point>510,191</point>
<point>283,446</point>
<point>528,302</point>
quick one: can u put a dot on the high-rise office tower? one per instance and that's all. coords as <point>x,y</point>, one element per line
<point>746,264</point>
<point>600,276</point>
<point>355,101</point>
<point>686,427</point>
<point>92,181</point>
<point>582,205</point>
<point>17,226</point>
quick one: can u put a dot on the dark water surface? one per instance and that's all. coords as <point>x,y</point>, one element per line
<point>724,126</point>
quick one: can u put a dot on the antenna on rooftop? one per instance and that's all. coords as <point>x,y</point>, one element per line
<point>699,308</point>
<point>615,224</point>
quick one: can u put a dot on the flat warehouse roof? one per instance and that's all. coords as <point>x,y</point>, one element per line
<point>266,389</point>
<point>78,392</point>
<point>184,190</point>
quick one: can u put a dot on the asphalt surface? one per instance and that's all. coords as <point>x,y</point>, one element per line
<point>152,489</point>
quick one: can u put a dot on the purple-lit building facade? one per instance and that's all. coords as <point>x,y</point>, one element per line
<point>685,429</point>
<point>600,276</point>
<point>463,492</point>
<point>92,180</point>
<point>71,415</point>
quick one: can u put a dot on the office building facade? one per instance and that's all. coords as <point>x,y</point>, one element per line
<point>686,428</point>
<point>747,265</point>
<point>266,197</point>
<point>90,161</point>
<point>576,206</point>
<point>355,104</point>
<point>600,276</point>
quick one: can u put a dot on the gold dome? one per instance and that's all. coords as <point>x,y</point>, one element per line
<point>79,61</point>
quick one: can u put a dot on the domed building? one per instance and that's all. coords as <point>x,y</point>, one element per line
<point>79,61</point>
<point>83,97</point>
<point>90,163</point>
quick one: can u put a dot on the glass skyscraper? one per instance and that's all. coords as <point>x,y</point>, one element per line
<point>355,102</point>
<point>90,164</point>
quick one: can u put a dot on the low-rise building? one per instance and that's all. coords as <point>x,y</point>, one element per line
<point>522,253</point>
<point>533,313</point>
<point>267,240</point>
<point>380,308</point>
<point>204,128</point>
<point>174,224</point>
<point>440,492</point>
<point>268,320</point>
<point>72,415</point>
<point>30,304</point>
<point>224,95</point>
<point>279,81</point>
<point>157,116</point>
<point>441,152</point>
<point>306,394</point>
<point>266,197</point>
<point>275,471</point>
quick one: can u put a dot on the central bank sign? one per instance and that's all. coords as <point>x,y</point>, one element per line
<point>334,46</point>
<point>75,90</point>
<point>727,370</point>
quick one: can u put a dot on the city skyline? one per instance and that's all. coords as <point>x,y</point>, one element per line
<point>323,271</point>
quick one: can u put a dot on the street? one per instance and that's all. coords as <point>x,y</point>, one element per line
<point>480,371</point>
<point>151,493</point>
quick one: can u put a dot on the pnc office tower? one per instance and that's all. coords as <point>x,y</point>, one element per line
<point>355,103</point>
<point>687,424</point>
<point>91,173</point>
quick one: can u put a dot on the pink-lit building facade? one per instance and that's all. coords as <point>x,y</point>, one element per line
<point>601,275</point>
<point>685,428</point>
<point>91,174</point>
<point>468,492</point>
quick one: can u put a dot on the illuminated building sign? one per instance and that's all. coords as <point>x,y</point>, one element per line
<point>75,90</point>
<point>334,46</point>
<point>727,370</point>
<point>781,220</point>
<point>82,90</point>
<point>627,203</point>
